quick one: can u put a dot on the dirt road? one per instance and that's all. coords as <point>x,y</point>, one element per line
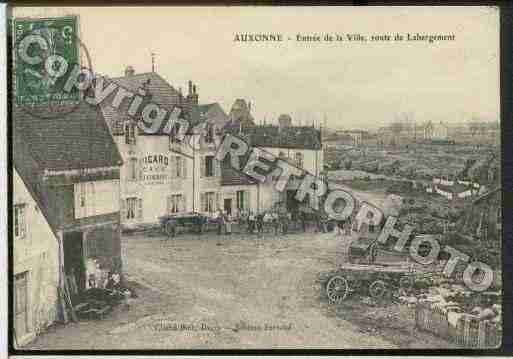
<point>222,292</point>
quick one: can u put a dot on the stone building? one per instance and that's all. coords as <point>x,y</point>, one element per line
<point>162,175</point>
<point>69,165</point>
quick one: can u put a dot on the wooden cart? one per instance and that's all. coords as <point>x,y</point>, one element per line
<point>376,279</point>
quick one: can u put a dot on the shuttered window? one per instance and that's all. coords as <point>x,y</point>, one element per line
<point>20,221</point>
<point>132,169</point>
<point>175,203</point>
<point>299,159</point>
<point>130,133</point>
<point>208,201</point>
<point>209,166</point>
<point>131,207</point>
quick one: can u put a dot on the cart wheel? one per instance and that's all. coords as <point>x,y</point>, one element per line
<point>337,289</point>
<point>377,289</point>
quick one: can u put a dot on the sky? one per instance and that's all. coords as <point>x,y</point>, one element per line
<point>351,84</point>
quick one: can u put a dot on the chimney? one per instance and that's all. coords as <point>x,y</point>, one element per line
<point>129,71</point>
<point>190,88</point>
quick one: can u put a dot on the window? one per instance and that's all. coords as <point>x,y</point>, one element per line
<point>19,221</point>
<point>132,207</point>
<point>94,198</point>
<point>242,200</point>
<point>132,169</point>
<point>174,142</point>
<point>209,135</point>
<point>175,203</point>
<point>299,159</point>
<point>208,202</point>
<point>129,133</point>
<point>209,166</point>
<point>82,195</point>
<point>21,303</point>
<point>180,167</point>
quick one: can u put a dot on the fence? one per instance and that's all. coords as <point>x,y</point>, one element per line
<point>468,331</point>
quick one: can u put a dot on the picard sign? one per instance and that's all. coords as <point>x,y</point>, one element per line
<point>155,169</point>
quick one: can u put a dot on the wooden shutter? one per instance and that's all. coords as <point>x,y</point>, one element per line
<point>218,205</point>
<point>76,193</point>
<point>134,133</point>
<point>91,200</point>
<point>23,212</point>
<point>247,200</point>
<point>139,209</point>
<point>202,166</point>
<point>183,204</point>
<point>184,167</point>
<point>122,207</point>
<point>139,168</point>
<point>173,166</point>
<point>217,167</point>
<point>127,133</point>
<point>168,204</point>
<point>203,202</point>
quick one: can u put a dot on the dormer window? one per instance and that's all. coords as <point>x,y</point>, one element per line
<point>209,135</point>
<point>299,159</point>
<point>129,133</point>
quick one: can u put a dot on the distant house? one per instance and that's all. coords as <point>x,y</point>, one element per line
<point>436,132</point>
<point>451,189</point>
<point>240,114</point>
<point>352,137</point>
<point>299,145</point>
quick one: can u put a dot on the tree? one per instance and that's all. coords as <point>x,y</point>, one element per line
<point>396,128</point>
<point>473,126</point>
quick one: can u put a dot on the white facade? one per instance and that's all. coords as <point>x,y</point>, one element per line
<point>96,198</point>
<point>159,177</point>
<point>35,265</point>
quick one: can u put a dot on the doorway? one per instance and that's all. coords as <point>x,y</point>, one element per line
<point>228,206</point>
<point>20,304</point>
<point>74,261</point>
<point>292,202</point>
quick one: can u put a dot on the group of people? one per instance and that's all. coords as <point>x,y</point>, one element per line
<point>278,222</point>
<point>254,222</point>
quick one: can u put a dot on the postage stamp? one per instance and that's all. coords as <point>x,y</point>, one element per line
<point>45,49</point>
<point>336,186</point>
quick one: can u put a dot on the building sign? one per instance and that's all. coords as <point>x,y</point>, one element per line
<point>45,53</point>
<point>155,168</point>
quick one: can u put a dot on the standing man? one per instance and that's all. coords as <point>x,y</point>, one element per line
<point>220,222</point>
<point>228,224</point>
<point>251,222</point>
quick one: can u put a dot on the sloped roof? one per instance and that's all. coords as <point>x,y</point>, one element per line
<point>161,91</point>
<point>289,137</point>
<point>77,139</point>
<point>204,108</point>
<point>158,91</point>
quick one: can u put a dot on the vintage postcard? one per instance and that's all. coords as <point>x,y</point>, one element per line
<point>255,178</point>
